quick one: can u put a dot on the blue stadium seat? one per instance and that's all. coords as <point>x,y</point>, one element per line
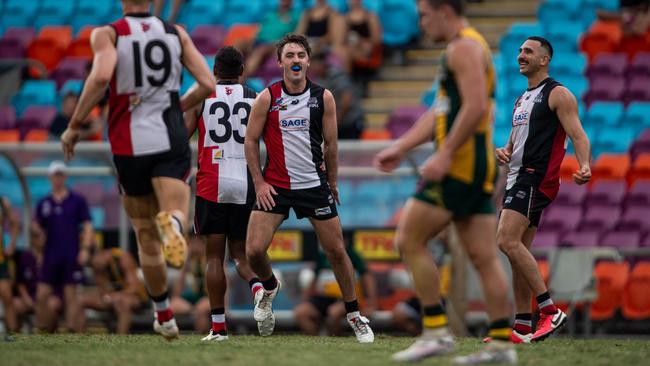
<point>373,5</point>
<point>613,139</point>
<point>6,169</point>
<point>242,12</point>
<point>564,35</point>
<point>553,10</point>
<point>601,4</point>
<point>399,20</point>
<point>198,12</point>
<point>637,115</point>
<point>54,12</point>
<point>39,187</point>
<point>12,191</point>
<point>511,41</point>
<point>256,84</point>
<point>71,86</point>
<point>340,5</point>
<point>503,116</point>
<point>604,114</point>
<point>578,85</point>
<point>99,9</point>
<point>404,187</point>
<point>501,135</point>
<point>18,13</point>
<point>346,191</point>
<point>567,64</point>
<point>98,216</point>
<point>34,92</point>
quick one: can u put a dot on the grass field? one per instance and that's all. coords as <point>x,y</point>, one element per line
<point>296,350</point>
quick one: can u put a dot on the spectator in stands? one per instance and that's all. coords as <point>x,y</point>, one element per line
<point>272,28</point>
<point>118,289</point>
<point>322,25</point>
<point>6,263</point>
<point>363,35</point>
<point>59,216</point>
<point>159,5</point>
<point>189,294</point>
<point>322,299</point>
<point>349,110</point>
<point>27,270</point>
<point>635,17</point>
<point>91,131</point>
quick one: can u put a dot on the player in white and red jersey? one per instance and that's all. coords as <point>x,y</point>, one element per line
<point>224,194</point>
<point>543,117</point>
<point>296,116</point>
<point>140,58</point>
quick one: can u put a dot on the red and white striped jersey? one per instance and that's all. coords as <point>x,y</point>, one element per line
<point>223,175</point>
<point>144,106</point>
<point>293,136</point>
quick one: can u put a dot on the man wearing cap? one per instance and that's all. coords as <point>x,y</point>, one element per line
<point>60,216</point>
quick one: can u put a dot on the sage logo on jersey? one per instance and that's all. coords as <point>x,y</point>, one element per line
<point>520,118</point>
<point>294,123</point>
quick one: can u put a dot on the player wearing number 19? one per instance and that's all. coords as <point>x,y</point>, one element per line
<point>140,58</point>
<point>224,189</point>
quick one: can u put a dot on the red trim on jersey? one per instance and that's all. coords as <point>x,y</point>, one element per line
<point>207,177</point>
<point>276,172</point>
<point>119,121</point>
<point>121,27</point>
<point>551,183</point>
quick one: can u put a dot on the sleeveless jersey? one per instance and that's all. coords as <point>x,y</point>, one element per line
<point>144,106</point>
<point>293,135</point>
<point>473,163</point>
<point>223,175</point>
<point>538,141</point>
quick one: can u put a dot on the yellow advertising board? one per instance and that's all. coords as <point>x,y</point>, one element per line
<point>376,245</point>
<point>286,246</point>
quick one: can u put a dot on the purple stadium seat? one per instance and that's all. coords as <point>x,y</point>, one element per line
<point>586,239</point>
<point>10,49</point>
<point>570,194</point>
<point>112,207</point>
<point>208,38</point>
<point>606,192</point>
<point>639,194</point>
<point>561,218</point>
<point>608,64</point>
<point>7,117</point>
<point>546,239</point>
<point>640,66</point>
<point>39,117</point>
<point>646,242</point>
<point>69,68</point>
<point>639,147</point>
<point>269,69</point>
<point>638,90</point>
<point>21,36</point>
<point>635,218</point>
<point>605,88</point>
<point>621,239</point>
<point>600,218</point>
<point>403,118</point>
<point>93,192</point>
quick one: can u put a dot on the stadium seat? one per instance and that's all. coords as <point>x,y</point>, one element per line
<point>640,66</point>
<point>611,278</point>
<point>640,169</point>
<point>7,117</point>
<point>257,84</point>
<point>602,37</point>
<point>91,12</point>
<point>635,218</point>
<point>18,13</point>
<point>630,239</point>
<point>241,32</point>
<point>37,135</point>
<point>208,38</point>
<point>638,90</point>
<point>71,86</point>
<point>511,41</point>
<point>202,12</point>
<point>578,85</point>
<point>599,218</point>
<point>605,191</point>
<point>80,46</point>
<point>50,46</point>
<point>98,216</point>
<point>567,64</point>
<point>546,240</point>
<point>402,118</point>
<point>610,166</point>
<point>613,140</point>
<point>638,194</point>
<point>36,117</point>
<point>563,35</point>
<point>608,65</point>
<point>69,68</point>
<point>604,114</point>
<point>570,193</point>
<point>550,11</point>
<point>34,92</point>
<point>375,134</point>
<point>636,298</point>
<point>92,191</point>
<point>242,12</point>
<point>605,89</point>
<point>12,135</point>
<point>561,218</point>
<point>399,22</point>
<point>581,239</point>
<point>637,115</point>
<point>631,45</point>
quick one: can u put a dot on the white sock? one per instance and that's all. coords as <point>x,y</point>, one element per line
<point>218,318</point>
<point>354,314</point>
<point>161,305</point>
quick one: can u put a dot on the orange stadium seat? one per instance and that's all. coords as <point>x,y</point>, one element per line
<point>9,135</point>
<point>611,279</point>
<point>633,45</point>
<point>62,35</point>
<point>50,47</point>
<point>636,298</point>
<point>241,33</point>
<point>610,166</point>
<point>603,37</point>
<point>80,46</point>
<point>640,169</point>
<point>376,134</point>
<point>568,167</point>
<point>37,135</point>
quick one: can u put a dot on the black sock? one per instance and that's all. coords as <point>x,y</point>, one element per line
<point>351,306</point>
<point>253,281</point>
<point>500,329</point>
<point>434,317</point>
<point>159,298</point>
<point>217,311</point>
<point>543,297</point>
<point>433,310</point>
<point>271,283</point>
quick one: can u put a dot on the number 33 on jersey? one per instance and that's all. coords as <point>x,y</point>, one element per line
<point>223,175</point>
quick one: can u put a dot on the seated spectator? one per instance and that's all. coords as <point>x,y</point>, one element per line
<point>363,41</point>
<point>629,26</point>
<point>118,289</point>
<point>189,294</point>
<point>92,130</point>
<point>349,110</point>
<point>6,263</point>
<point>322,25</point>
<point>159,5</point>
<point>272,28</point>
<point>28,267</point>
<point>322,302</point>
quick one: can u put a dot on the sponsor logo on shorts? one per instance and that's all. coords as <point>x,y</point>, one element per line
<point>508,199</point>
<point>323,211</point>
<point>294,123</point>
<point>521,195</point>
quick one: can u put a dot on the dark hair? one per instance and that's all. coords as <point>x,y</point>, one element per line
<point>228,63</point>
<point>633,3</point>
<point>457,5</point>
<point>293,38</point>
<point>545,44</point>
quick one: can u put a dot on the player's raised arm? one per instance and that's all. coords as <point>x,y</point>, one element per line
<point>264,192</point>
<point>565,106</point>
<point>330,145</point>
<point>196,65</point>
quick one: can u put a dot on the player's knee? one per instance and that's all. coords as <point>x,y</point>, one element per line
<point>254,255</point>
<point>335,254</point>
<point>507,246</point>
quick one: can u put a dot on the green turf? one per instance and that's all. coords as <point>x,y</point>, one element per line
<point>150,350</point>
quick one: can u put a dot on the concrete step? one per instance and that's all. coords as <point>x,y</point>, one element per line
<point>397,88</point>
<point>512,8</point>
<point>387,105</point>
<point>411,73</point>
<point>376,120</point>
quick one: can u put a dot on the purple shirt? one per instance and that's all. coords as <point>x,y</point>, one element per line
<point>28,272</point>
<point>61,222</point>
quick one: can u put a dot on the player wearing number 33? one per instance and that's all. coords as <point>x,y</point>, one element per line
<point>140,58</point>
